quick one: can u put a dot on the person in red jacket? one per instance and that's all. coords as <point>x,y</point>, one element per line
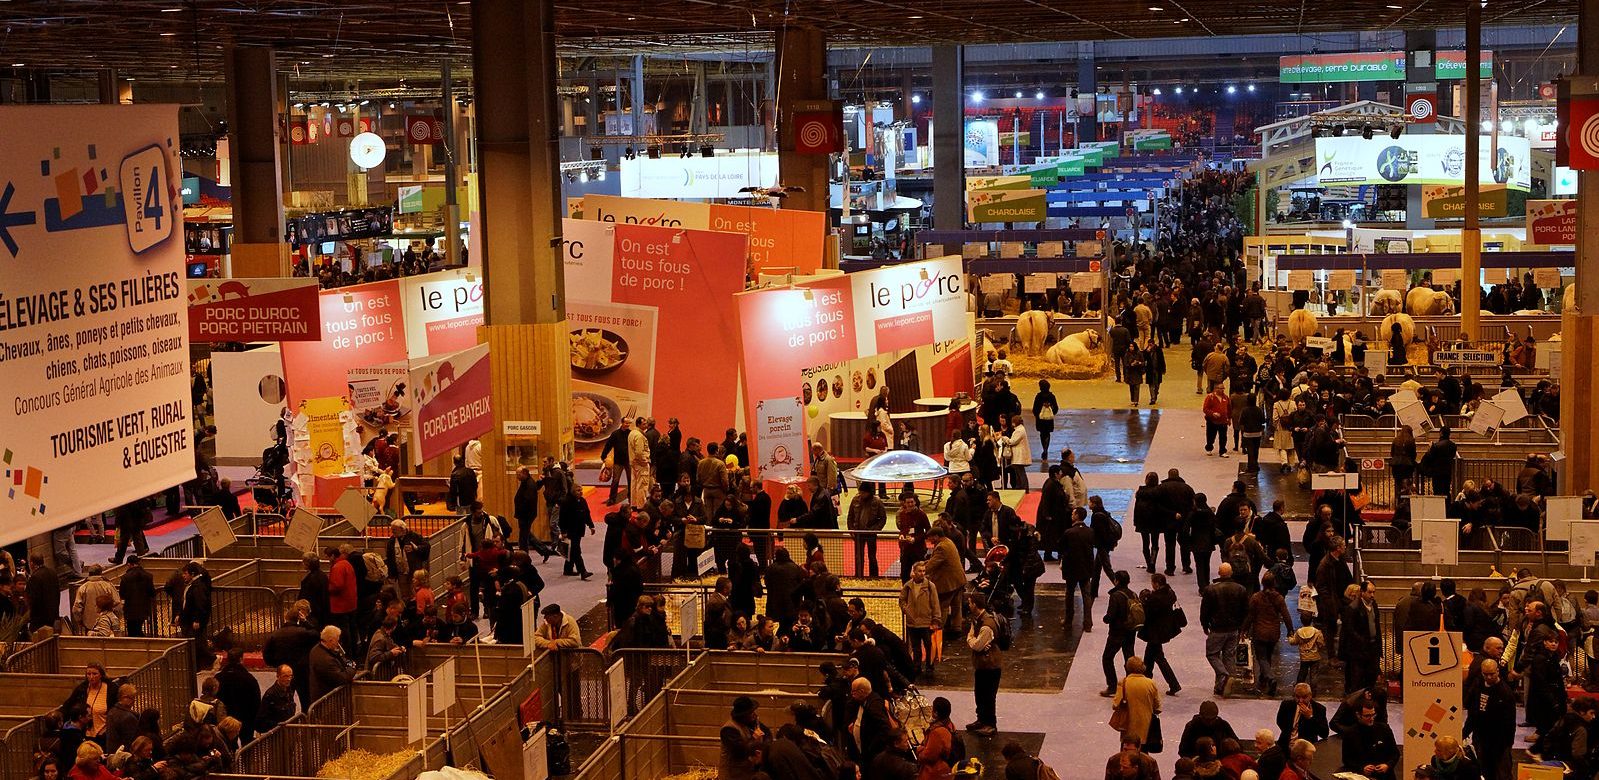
<point>342,597</point>
<point>1218,410</point>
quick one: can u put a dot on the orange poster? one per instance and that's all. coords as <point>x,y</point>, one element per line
<point>778,238</point>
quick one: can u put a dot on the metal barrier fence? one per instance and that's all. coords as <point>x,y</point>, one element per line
<point>882,603</point>
<point>648,671</point>
<point>17,748</point>
<point>846,553</point>
<point>585,699</point>
<point>293,749</point>
<point>167,684</point>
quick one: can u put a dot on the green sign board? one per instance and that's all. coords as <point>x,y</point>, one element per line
<point>1151,143</point>
<point>1093,157</point>
<point>1071,165</point>
<point>1045,177</point>
<point>1372,66</point>
<point>411,199</point>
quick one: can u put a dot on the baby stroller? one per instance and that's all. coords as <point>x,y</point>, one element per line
<point>993,582</point>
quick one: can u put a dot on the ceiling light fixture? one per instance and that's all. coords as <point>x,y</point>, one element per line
<point>1179,90</point>
<point>977,96</point>
<point>170,10</point>
<point>917,99</point>
<point>1156,8</point>
<point>168,34</point>
<point>1231,89</point>
<point>1157,91</point>
<point>1251,87</point>
<point>1018,94</point>
<point>1039,95</point>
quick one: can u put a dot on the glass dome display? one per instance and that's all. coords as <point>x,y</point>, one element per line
<point>898,466</point>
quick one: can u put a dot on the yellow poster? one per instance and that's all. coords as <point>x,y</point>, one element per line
<point>326,431</point>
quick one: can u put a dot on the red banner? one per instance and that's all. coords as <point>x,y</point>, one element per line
<point>299,132</point>
<point>453,401</point>
<point>1580,133</point>
<point>345,127</point>
<point>253,310</point>
<point>1552,221</point>
<point>818,129</point>
<point>1421,108</point>
<point>422,129</point>
<point>361,326</point>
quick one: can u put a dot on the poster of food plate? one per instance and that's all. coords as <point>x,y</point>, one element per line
<point>612,355</point>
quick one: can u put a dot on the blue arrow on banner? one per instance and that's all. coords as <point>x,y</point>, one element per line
<point>11,219</point>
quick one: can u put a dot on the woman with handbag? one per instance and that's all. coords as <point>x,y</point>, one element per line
<point>1135,709</point>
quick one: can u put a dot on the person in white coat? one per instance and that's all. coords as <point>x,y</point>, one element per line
<point>957,454</point>
<point>1020,452</point>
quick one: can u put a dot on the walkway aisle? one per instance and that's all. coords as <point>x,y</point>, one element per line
<point>1078,740</point>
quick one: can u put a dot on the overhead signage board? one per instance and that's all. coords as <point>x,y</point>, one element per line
<point>254,310</point>
<point>94,321</point>
<point>1371,66</point>
<point>1421,159</point>
<point>1552,221</point>
<point>721,176</point>
<point>1446,201</point>
<point>1465,357</point>
<point>1006,205</point>
<point>341,225</point>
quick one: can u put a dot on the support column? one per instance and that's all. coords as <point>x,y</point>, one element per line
<point>949,131</point>
<point>513,59</point>
<point>638,95</point>
<point>1420,77</point>
<point>452,171</point>
<point>1579,404</point>
<point>253,110</point>
<point>1471,234</point>
<point>1087,84</point>
<point>108,87</point>
<point>801,77</point>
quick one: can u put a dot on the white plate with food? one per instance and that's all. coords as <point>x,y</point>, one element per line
<point>594,417</point>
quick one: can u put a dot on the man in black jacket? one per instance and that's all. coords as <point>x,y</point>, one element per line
<point>1357,645</point>
<point>783,579</point>
<point>1175,500</point>
<point>1369,748</point>
<point>463,487</point>
<point>194,610</point>
<point>44,594</point>
<point>616,449</point>
<point>240,693</point>
<point>1077,567</point>
<point>573,515</point>
<point>1222,610</point>
<point>290,647</point>
<point>1438,463</point>
<point>869,725</point>
<point>1272,530</point>
<point>330,667</point>
<point>314,590</point>
<point>525,507</point>
<point>1301,717</point>
<point>137,589</point>
<point>404,553</point>
<point>277,702</point>
<point>1121,628</point>
<point>1491,720</point>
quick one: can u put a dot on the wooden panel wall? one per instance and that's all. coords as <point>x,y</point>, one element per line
<point>529,367</point>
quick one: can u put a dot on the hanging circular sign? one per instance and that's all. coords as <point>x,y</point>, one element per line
<point>368,150</point>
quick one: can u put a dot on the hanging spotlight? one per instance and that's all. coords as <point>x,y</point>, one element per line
<point>1232,89</point>
<point>1156,92</point>
<point>1365,132</point>
<point>1179,90</point>
<point>1039,95</point>
<point>916,99</point>
<point>1337,131</point>
<point>977,96</point>
<point>706,150</point>
<point>654,151</point>
<point>1018,94</point>
<point>1395,131</point>
<point>1251,87</point>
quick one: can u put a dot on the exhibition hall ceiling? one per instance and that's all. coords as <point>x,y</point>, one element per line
<point>345,39</point>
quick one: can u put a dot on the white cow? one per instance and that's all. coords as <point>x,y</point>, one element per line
<point>1387,302</point>
<point>1079,350</point>
<point>1302,323</point>
<point>1032,330</point>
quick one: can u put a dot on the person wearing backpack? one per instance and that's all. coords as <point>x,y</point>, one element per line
<point>1107,534</point>
<point>1021,765</point>
<point>941,747</point>
<point>1123,615</point>
<point>987,636</point>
